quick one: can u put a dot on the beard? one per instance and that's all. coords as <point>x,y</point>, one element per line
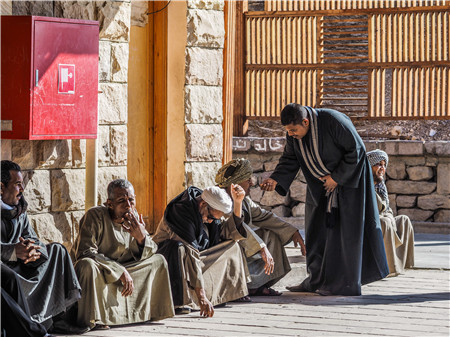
<point>378,178</point>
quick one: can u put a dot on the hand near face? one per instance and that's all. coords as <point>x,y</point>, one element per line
<point>268,185</point>
<point>135,227</point>
<point>127,282</point>
<point>27,251</point>
<point>298,241</point>
<point>237,193</point>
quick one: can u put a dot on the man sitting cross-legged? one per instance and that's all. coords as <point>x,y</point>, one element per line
<point>122,279</point>
<point>44,272</point>
<point>398,233</point>
<point>266,257</point>
<point>206,264</point>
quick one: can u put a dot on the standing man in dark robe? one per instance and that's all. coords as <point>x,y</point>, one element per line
<point>35,264</point>
<point>343,234</point>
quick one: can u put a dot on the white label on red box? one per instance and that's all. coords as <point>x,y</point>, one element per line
<point>66,78</point>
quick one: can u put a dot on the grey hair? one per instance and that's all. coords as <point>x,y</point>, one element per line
<point>118,183</point>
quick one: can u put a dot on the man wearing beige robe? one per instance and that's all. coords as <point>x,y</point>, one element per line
<point>264,248</point>
<point>122,279</point>
<point>206,264</point>
<point>398,232</point>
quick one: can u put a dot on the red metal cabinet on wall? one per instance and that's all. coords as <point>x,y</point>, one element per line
<point>49,74</point>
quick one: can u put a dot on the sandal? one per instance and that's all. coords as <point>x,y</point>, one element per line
<point>243,299</point>
<point>264,291</point>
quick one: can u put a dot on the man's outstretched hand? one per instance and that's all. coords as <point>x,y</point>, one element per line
<point>268,185</point>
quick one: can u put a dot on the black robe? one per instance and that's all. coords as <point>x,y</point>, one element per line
<point>50,284</point>
<point>340,257</point>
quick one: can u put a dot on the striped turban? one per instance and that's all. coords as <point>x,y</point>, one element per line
<point>377,156</point>
<point>234,172</point>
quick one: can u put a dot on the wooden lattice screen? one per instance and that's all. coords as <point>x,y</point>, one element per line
<point>368,59</point>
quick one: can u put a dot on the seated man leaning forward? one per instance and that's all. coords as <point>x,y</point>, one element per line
<point>266,257</point>
<point>206,264</point>
<point>122,279</point>
<point>398,232</point>
<point>34,264</point>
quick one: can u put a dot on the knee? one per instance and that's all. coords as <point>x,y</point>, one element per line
<point>85,267</point>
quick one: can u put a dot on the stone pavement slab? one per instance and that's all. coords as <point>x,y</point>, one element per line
<point>414,304</point>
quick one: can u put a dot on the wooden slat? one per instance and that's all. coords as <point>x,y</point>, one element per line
<point>287,59</point>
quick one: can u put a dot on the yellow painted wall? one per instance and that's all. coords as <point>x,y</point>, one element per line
<point>176,149</point>
<point>140,149</point>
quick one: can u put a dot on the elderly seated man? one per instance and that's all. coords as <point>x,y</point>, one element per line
<point>33,264</point>
<point>122,279</point>
<point>398,233</point>
<point>206,264</point>
<point>266,257</point>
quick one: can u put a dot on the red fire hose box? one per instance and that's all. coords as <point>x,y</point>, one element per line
<point>49,74</point>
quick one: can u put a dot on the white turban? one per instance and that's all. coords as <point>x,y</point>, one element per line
<point>217,198</point>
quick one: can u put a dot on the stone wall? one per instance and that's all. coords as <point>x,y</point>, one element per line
<point>55,169</point>
<point>418,177</point>
<point>203,91</point>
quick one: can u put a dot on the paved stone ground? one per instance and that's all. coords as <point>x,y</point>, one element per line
<point>414,304</point>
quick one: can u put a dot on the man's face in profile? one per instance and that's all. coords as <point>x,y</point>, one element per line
<point>12,192</point>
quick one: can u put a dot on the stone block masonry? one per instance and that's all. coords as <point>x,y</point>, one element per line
<point>54,170</point>
<point>203,91</point>
<point>418,177</point>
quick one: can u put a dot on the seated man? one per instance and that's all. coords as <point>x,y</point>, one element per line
<point>16,317</point>
<point>205,261</point>
<point>122,279</point>
<point>35,265</point>
<point>398,233</point>
<point>266,257</point>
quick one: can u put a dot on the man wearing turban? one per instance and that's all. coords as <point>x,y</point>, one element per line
<point>206,265</point>
<point>398,233</point>
<point>266,257</point>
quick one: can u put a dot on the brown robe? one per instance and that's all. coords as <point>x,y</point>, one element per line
<point>103,251</point>
<point>398,236</point>
<point>220,270</point>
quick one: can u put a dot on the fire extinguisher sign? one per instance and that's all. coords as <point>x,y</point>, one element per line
<point>66,78</point>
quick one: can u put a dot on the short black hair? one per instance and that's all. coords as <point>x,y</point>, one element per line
<point>8,165</point>
<point>293,113</point>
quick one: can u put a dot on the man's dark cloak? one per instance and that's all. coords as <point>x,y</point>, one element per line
<point>49,283</point>
<point>350,252</point>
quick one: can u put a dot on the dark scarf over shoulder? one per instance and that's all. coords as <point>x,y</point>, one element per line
<point>183,217</point>
<point>16,211</point>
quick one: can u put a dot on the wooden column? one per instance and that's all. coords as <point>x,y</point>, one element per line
<point>159,110</point>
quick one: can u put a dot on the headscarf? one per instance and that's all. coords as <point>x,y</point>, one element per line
<point>217,198</point>
<point>234,172</point>
<point>375,157</point>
